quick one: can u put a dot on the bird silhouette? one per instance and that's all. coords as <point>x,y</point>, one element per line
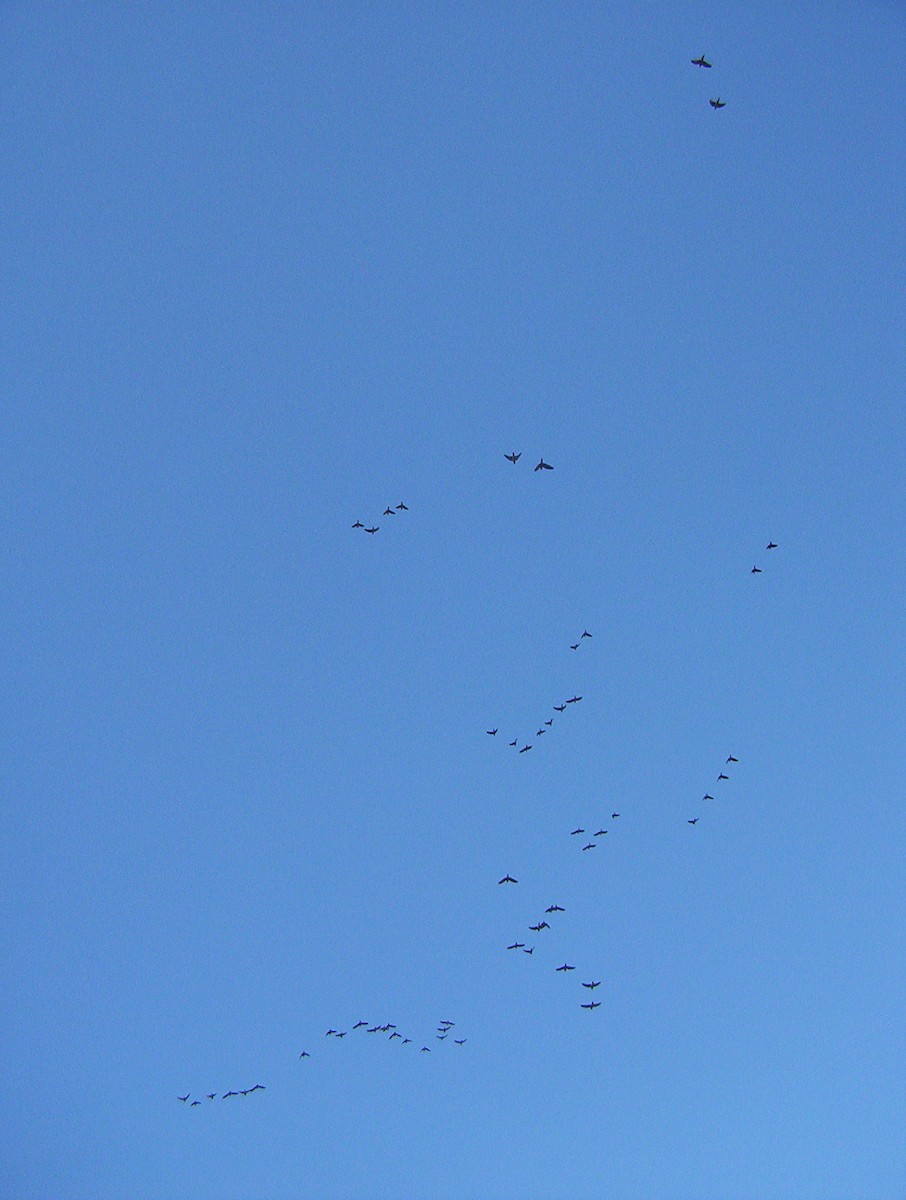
<point>707,796</point>
<point>507,879</point>
<point>575,647</point>
<point>514,457</point>
<point>730,759</point>
<point>549,723</point>
<point>543,466</point>
<point>594,983</point>
<point>585,633</point>
<point>517,946</point>
<point>514,742</point>
<point>565,967</point>
<point>425,1050</point>
<point>185,1097</point>
<point>194,1103</point>
<point>540,732</point>
<point>460,1041</point>
<point>722,776</point>
<point>211,1095</point>
<point>259,1087</point>
<point>329,1032</point>
<point>718,103</point>
<point>593,1004</point>
<point>771,546</point>
<point>599,833</point>
<point>492,732</point>
<point>693,821</point>
<point>756,570</point>
<point>529,950</point>
<point>590,846</point>
<point>389,512</point>
<point>227,1095</point>
<point>575,831</point>
<point>539,927</point>
<point>559,708</point>
<point>360,1024</point>
<point>358,525</point>
<point>406,1041</point>
<point>403,507</point>
<point>613,816</point>
<point>524,748</point>
<point>555,908</point>
<point>305,1054</point>
<point>575,700</point>
<point>700,62</point>
<point>372,529</point>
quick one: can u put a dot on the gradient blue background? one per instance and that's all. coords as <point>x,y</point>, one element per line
<point>267,269</point>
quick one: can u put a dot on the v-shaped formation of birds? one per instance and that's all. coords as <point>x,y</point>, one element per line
<point>522,745</point>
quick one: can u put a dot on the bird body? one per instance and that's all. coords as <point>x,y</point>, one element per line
<point>700,62</point>
<point>565,967</point>
<point>514,457</point>
<point>771,546</point>
<point>543,466</point>
<point>507,879</point>
<point>718,103</point>
<point>593,1004</point>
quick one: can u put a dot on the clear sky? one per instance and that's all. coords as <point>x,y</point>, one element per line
<point>268,269</point>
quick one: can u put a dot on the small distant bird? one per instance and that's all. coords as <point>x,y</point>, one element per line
<point>540,732</point>
<point>227,1095</point>
<point>585,633</point>
<point>700,62</point>
<point>460,1041</point>
<point>599,833</point>
<point>514,742</point>
<point>341,1035</point>
<point>555,908</point>
<point>492,732</point>
<point>194,1103</point>
<point>771,546</point>
<point>514,457</point>
<point>693,821</point>
<point>389,512</point>
<point>507,879</point>
<point>575,831</point>
<point>185,1097</point>
<point>613,816</point>
<point>590,846</point>
<point>722,776</point>
<point>730,759</point>
<point>329,1032</point>
<point>594,983</point>
<point>756,570</point>
<point>372,529</point>
<point>259,1087</point>
<point>449,1024</point>
<point>360,1024</point>
<point>425,1050</point>
<point>549,723</point>
<point>358,525</point>
<point>718,103</point>
<point>565,967</point>
<point>707,796</point>
<point>593,1004</point>
<point>211,1095</point>
<point>374,1029</point>
<point>559,708</point>
<point>517,946</point>
<point>537,928</point>
<point>575,647</point>
<point>524,748</point>
<point>305,1054</point>
<point>406,1041</point>
<point>440,1036</point>
<point>403,507</point>
<point>575,700</point>
<point>530,950</point>
<point>543,466</point>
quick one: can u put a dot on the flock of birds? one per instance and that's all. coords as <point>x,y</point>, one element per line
<point>541,925</point>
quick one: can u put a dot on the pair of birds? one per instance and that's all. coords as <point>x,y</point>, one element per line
<point>542,465</point>
<point>703,62</point>
<point>769,546</point>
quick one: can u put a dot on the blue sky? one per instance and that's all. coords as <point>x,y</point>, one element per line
<point>269,269</point>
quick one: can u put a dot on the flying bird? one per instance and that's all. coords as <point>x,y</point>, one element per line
<point>550,722</point>
<point>700,62</point>
<point>539,927</point>
<point>359,1024</point>
<point>594,983</point>
<point>613,816</point>
<point>259,1087</point>
<point>555,908</point>
<point>211,1095</point>
<point>185,1097</point>
<point>585,633</point>
<point>425,1050</point>
<point>530,950</point>
<point>514,457</point>
<point>406,1041</point>
<point>756,571</point>
<point>388,512</point>
<point>194,1103</point>
<point>565,967</point>
<point>722,776</point>
<point>707,796</point>
<point>514,742</point>
<point>730,759</point>
<point>718,103</point>
<point>404,507</point>
<point>358,525</point>
<point>599,833</point>
<point>372,529</point>
<point>542,465</point>
<point>575,831</point>
<point>524,748</point>
<point>305,1054</point>
<point>693,821</point>
<point>593,1004</point>
<point>575,647</point>
<point>517,946</point>
<point>507,879</point>
<point>460,1041</point>
<point>575,700</point>
<point>342,1035</point>
<point>590,846</point>
<point>329,1032</point>
<point>492,732</point>
<point>539,732</point>
<point>227,1095</point>
<point>771,546</point>
<point>559,708</point>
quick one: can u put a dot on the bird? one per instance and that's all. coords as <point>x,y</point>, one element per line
<point>730,759</point>
<point>517,946</point>
<point>492,732</point>
<point>358,525</point>
<point>722,776</point>
<point>756,571</point>
<point>590,846</point>
<point>575,647</point>
<point>227,1095</point>
<point>539,927</point>
<point>559,708</point>
<point>613,816</point>
<point>440,1036</point>
<point>449,1024</point>
<point>507,879</point>
<point>305,1054</point>
<point>388,512</point>
<point>555,908</point>
<point>575,700</point>
<point>460,1041</point>
<point>211,1095</point>
<point>540,732</point>
<point>194,1103</point>
<point>585,633</point>
<point>542,465</point>
<point>692,821</point>
<point>530,950</point>
<point>594,983</point>
<point>550,722</point>
<point>593,1004</point>
<point>514,742</point>
<point>599,833</point>
<point>406,1041</point>
<point>524,748</point>
<point>341,1035</point>
<point>374,1029</point>
<point>514,457</point>
<point>700,62</point>
<point>718,103</point>
<point>259,1087</point>
<point>372,529</point>
<point>185,1097</point>
<point>243,1091</point>
<point>771,546</point>
<point>404,507</point>
<point>425,1050</point>
<point>329,1032</point>
<point>565,967</point>
<point>359,1024</point>
<point>707,796</point>
<point>575,831</point>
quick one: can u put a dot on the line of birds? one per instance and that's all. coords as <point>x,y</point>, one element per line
<point>388,512</point>
<point>259,1087</point>
<point>703,62</point>
<point>444,1029</point>
<point>546,725</point>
